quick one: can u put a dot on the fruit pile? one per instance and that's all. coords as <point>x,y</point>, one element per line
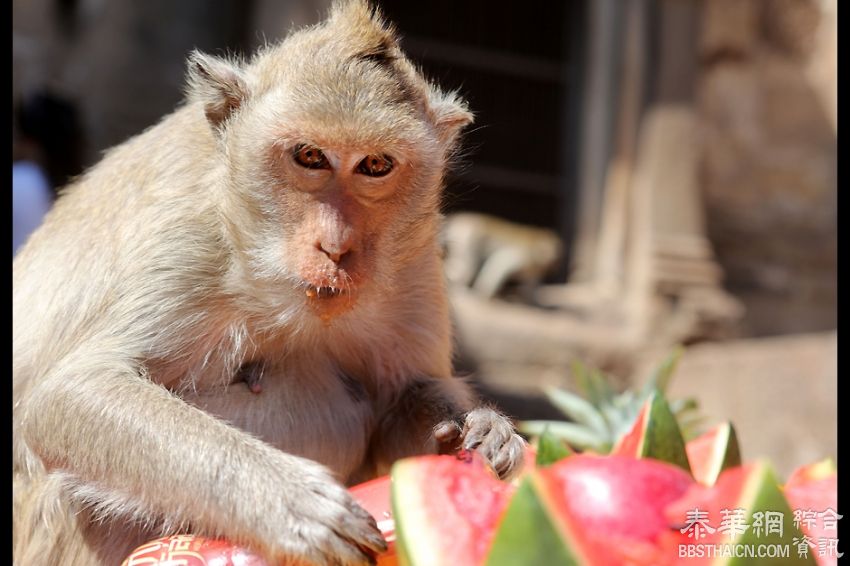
<point>637,494</point>
<point>654,500</point>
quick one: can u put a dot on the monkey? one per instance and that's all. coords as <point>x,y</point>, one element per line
<point>486,253</point>
<point>241,311</point>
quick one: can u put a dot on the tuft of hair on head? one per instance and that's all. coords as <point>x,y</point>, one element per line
<point>377,40</point>
<point>218,83</point>
<point>367,32</point>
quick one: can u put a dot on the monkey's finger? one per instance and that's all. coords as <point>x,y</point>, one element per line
<point>358,511</point>
<point>337,549</point>
<point>476,427</point>
<point>349,552</point>
<point>482,417</point>
<point>447,431</point>
<point>492,446</point>
<point>364,532</point>
<point>509,457</point>
<point>345,517</point>
<point>492,443</point>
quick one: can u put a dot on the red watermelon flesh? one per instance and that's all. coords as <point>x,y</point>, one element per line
<point>374,497</point>
<point>812,472</point>
<point>811,490</point>
<point>713,452</point>
<point>813,487</point>
<point>630,443</point>
<point>752,488</point>
<point>616,495</point>
<point>613,505</point>
<point>446,510</point>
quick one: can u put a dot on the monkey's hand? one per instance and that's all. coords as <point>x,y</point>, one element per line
<point>489,433</point>
<point>324,524</point>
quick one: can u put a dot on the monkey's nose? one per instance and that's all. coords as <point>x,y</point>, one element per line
<point>333,250</point>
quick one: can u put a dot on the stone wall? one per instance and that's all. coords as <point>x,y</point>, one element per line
<point>766,101</point>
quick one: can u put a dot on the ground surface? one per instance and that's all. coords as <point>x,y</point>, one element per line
<point>779,392</point>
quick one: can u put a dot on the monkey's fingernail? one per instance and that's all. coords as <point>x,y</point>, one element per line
<point>447,431</point>
<point>378,542</point>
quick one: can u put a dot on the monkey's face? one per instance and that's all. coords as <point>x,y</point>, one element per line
<point>346,211</point>
<point>344,199</point>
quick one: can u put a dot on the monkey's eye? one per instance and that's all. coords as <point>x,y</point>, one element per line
<point>310,157</point>
<point>375,165</point>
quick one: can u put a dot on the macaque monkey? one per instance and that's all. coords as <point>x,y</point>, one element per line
<point>242,310</point>
<point>486,253</point>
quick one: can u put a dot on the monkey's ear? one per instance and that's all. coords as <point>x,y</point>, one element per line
<point>218,83</point>
<point>450,115</point>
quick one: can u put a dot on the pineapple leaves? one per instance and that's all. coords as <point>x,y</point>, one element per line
<point>573,434</point>
<point>660,378</point>
<point>578,410</point>
<point>599,416</point>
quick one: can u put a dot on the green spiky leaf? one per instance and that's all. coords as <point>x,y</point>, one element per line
<point>660,378</point>
<point>592,384</point>
<point>573,434</point>
<point>550,449</point>
<point>578,409</point>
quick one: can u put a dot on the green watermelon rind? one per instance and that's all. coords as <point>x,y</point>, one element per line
<point>726,453</point>
<point>761,492</point>
<point>655,434</point>
<point>404,472</point>
<point>662,438</point>
<point>528,519</point>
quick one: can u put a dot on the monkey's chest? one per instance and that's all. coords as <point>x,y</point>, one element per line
<point>310,411</point>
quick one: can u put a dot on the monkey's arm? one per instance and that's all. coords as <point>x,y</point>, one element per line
<point>440,416</point>
<point>131,448</point>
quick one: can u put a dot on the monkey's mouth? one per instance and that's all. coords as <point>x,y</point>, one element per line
<point>324,292</point>
<point>330,301</point>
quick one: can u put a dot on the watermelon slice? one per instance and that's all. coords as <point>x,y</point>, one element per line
<point>589,510</point>
<point>813,490</point>
<point>737,510</point>
<point>713,452</point>
<point>654,434</point>
<point>812,472</point>
<point>445,510</point>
